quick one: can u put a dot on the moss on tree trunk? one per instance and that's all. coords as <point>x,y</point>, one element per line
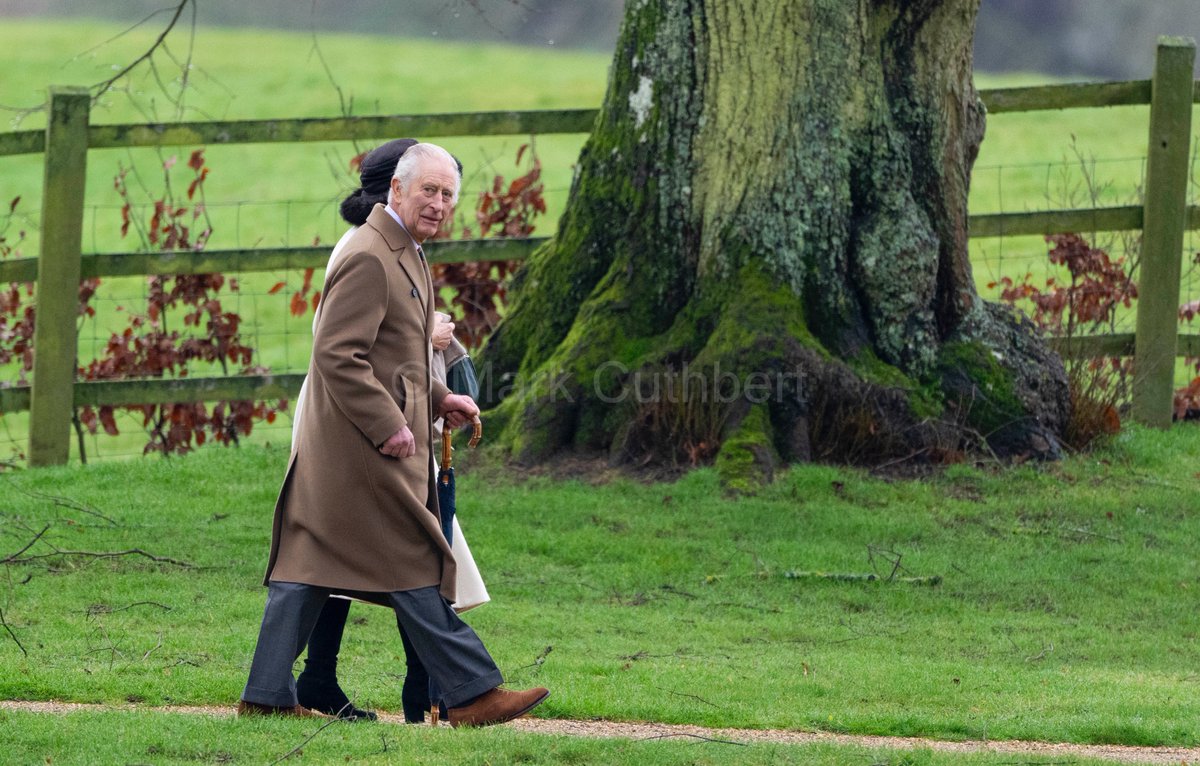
<point>764,252</point>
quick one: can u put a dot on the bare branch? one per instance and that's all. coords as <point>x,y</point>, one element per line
<point>694,736</point>
<point>477,6</point>
<point>310,737</point>
<point>1046,649</point>
<point>125,31</point>
<point>111,84</point>
<point>11,634</point>
<point>861,577</point>
<point>892,557</point>
<point>316,51</point>
<point>111,648</point>
<point>28,545</point>
<point>691,696</point>
<point>154,648</point>
<point>541,658</point>
<point>63,502</point>
<point>101,555</point>
<point>96,609</point>
<point>102,87</point>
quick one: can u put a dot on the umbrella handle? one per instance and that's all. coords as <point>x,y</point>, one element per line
<point>447,433</point>
<point>446,448</point>
<point>476,432</point>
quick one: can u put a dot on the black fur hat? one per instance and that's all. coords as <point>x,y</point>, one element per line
<point>375,177</point>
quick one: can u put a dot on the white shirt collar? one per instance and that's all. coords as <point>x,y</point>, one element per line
<point>396,217</point>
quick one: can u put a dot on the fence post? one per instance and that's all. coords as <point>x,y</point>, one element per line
<point>54,340</point>
<point>1164,220</point>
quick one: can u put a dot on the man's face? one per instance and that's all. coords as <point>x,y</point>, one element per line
<point>428,199</point>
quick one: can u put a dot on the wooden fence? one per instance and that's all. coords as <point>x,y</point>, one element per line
<point>65,142</point>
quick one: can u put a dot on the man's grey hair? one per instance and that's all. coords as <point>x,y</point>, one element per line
<point>410,162</point>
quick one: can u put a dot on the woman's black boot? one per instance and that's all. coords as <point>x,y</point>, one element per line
<point>317,687</point>
<point>414,695</point>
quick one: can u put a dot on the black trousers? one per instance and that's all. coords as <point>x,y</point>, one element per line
<point>449,648</point>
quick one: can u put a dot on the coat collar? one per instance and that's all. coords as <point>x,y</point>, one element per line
<point>395,235</point>
<point>401,243</point>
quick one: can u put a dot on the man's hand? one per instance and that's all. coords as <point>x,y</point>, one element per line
<point>443,331</point>
<point>400,444</point>
<point>458,410</point>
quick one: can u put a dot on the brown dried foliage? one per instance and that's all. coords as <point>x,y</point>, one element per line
<point>1086,303</point>
<point>149,348</point>
<point>1187,398</point>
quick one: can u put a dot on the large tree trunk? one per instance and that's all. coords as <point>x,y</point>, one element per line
<point>764,255</point>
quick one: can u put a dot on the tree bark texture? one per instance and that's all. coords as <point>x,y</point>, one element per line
<point>764,254</point>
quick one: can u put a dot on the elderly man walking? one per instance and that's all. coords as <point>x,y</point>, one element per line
<point>358,511</point>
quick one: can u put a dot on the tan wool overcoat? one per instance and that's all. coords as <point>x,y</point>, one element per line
<point>349,517</point>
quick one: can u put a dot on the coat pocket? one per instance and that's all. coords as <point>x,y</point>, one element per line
<point>404,396</point>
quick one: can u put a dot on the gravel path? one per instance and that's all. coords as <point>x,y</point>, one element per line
<point>645,731</point>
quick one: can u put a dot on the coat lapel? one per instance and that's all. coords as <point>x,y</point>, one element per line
<point>405,249</point>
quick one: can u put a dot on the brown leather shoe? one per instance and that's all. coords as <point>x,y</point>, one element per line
<point>497,706</point>
<point>245,708</point>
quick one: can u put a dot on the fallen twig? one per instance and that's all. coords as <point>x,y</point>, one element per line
<point>861,577</point>
<point>1042,654</point>
<point>11,634</point>
<point>62,502</point>
<point>101,555</point>
<point>152,649</point>
<point>1064,532</point>
<point>695,736</point>
<point>96,609</point>
<point>668,588</point>
<point>1090,533</point>
<point>541,658</point>
<point>644,655</point>
<point>693,696</point>
<point>13,557</point>
<point>310,738</point>
<point>383,740</point>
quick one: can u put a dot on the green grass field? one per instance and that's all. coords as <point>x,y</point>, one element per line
<point>1064,612</point>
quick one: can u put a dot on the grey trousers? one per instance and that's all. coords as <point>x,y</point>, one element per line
<point>454,656</point>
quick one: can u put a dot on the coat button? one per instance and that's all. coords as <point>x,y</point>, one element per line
<point>414,292</point>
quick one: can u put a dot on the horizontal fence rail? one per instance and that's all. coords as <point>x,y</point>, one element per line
<point>996,100</point>
<point>262,259</point>
<point>1068,96</point>
<point>167,390</point>
<point>316,129</point>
